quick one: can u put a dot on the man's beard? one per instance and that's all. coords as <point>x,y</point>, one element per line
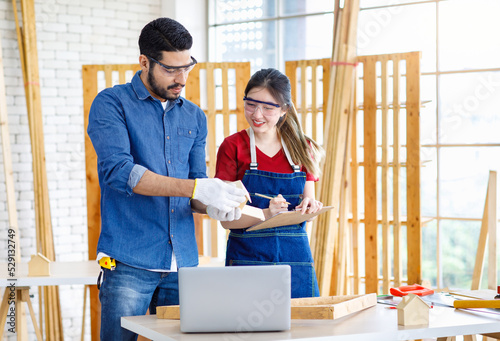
<point>163,93</point>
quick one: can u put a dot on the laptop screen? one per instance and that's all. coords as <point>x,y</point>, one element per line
<point>235,298</point>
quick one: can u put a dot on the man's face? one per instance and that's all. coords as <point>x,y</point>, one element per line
<point>167,84</point>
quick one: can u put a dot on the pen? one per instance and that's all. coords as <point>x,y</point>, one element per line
<point>268,197</point>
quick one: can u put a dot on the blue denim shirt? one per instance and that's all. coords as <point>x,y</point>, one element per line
<point>131,132</point>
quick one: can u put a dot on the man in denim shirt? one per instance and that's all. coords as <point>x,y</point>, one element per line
<point>150,144</point>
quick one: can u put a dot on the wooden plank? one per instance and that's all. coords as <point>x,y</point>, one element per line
<point>25,297</point>
<point>326,87</point>
<point>242,77</point>
<point>21,323</point>
<point>396,147</point>
<point>4,309</point>
<point>210,67</point>
<point>225,99</point>
<point>290,71</point>
<point>314,104</point>
<point>414,235</point>
<point>108,76</point>
<point>346,73</point>
<point>342,258</point>
<point>325,248</point>
<point>492,231</point>
<point>193,84</point>
<point>386,258</point>
<point>170,312</point>
<point>483,237</point>
<point>354,200</point>
<point>89,80</point>
<point>122,74</point>
<point>198,231</point>
<point>370,175</point>
<point>331,307</point>
<point>303,93</point>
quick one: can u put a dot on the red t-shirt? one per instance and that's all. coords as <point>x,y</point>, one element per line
<point>233,159</point>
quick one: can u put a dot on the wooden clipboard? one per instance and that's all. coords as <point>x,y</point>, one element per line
<point>287,218</point>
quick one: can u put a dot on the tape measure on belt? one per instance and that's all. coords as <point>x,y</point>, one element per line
<point>107,263</point>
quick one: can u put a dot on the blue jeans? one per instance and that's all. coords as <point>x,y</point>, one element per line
<point>128,291</point>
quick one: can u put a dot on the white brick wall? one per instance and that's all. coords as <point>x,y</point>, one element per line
<point>70,33</point>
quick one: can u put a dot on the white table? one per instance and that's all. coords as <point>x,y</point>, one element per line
<point>61,273</point>
<point>375,323</point>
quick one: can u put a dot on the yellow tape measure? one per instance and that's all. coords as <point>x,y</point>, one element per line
<point>107,263</point>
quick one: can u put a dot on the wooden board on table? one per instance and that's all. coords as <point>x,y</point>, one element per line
<point>287,218</point>
<point>169,312</point>
<point>329,307</point>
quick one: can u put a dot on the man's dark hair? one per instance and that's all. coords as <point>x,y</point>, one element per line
<point>164,34</point>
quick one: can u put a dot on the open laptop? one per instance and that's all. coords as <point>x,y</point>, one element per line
<point>235,298</point>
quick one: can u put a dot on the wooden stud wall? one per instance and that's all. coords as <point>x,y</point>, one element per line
<point>224,77</point>
<point>381,74</point>
<point>308,84</point>
<point>97,77</point>
<point>90,78</point>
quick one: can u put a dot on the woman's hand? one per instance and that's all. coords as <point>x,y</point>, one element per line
<point>309,205</point>
<point>277,204</point>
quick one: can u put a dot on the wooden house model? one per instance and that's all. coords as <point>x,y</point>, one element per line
<point>412,310</point>
<point>39,265</point>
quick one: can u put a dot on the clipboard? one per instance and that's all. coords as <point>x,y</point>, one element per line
<point>287,218</point>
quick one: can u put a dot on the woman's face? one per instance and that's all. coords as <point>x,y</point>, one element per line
<point>262,117</point>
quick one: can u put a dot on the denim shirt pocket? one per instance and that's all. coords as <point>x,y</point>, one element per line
<point>185,138</point>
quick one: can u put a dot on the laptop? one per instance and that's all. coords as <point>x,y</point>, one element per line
<point>235,298</point>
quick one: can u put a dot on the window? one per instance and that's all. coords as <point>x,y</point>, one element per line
<point>267,33</point>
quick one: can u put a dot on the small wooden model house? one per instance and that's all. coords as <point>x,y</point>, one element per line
<point>412,310</point>
<point>39,265</point>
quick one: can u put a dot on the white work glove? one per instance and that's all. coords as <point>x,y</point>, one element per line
<point>215,192</point>
<point>217,214</point>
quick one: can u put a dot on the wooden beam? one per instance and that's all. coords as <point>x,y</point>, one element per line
<point>386,254</point>
<point>396,197</point>
<point>414,234</point>
<point>370,175</point>
<point>492,231</point>
<point>483,236</point>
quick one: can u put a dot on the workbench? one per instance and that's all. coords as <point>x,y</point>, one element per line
<point>61,273</point>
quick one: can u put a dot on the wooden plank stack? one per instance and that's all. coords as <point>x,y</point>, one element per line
<point>45,242</point>
<point>339,109</point>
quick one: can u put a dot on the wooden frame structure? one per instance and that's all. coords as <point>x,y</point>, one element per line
<point>206,83</point>
<point>90,79</point>
<point>381,83</point>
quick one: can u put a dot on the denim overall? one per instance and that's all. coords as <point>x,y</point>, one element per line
<point>279,245</point>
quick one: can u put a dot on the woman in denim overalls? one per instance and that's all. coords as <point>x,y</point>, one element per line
<point>273,157</point>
